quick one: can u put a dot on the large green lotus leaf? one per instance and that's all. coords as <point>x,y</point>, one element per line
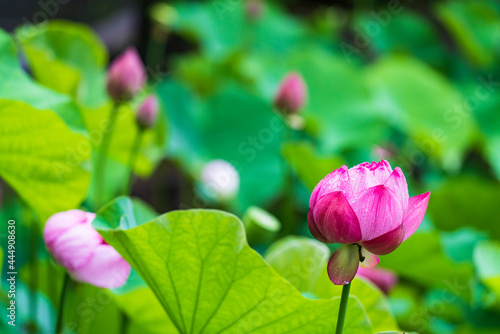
<point>67,57</point>
<point>136,299</point>
<point>42,158</point>
<point>209,280</point>
<point>474,27</point>
<point>185,119</point>
<point>486,256</point>
<point>466,201</point>
<point>483,92</point>
<point>406,32</point>
<point>308,164</point>
<point>223,26</point>
<point>15,84</point>
<point>338,107</point>
<point>302,261</point>
<point>429,265</point>
<point>89,309</point>
<point>144,311</point>
<point>425,105</point>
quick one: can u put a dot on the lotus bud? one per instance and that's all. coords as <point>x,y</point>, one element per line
<point>126,76</point>
<point>291,94</point>
<point>220,180</point>
<point>366,206</point>
<point>254,9</point>
<point>148,112</point>
<point>76,245</point>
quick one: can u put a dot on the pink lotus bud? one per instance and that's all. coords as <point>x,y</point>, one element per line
<point>291,94</point>
<point>254,9</point>
<point>148,112</point>
<point>76,245</point>
<point>367,205</point>
<point>383,278</point>
<point>126,75</point>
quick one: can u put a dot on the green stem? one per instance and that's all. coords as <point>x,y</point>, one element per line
<point>62,300</point>
<point>343,308</point>
<point>100,170</point>
<point>124,322</point>
<point>134,152</point>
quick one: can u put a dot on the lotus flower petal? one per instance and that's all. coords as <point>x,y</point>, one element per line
<point>105,269</point>
<point>382,278</point>
<point>417,205</point>
<point>370,259</point>
<point>397,183</point>
<point>367,175</point>
<point>314,229</point>
<point>343,264</point>
<point>386,243</point>
<point>74,247</point>
<point>379,211</point>
<point>338,180</point>
<point>60,222</point>
<point>335,219</point>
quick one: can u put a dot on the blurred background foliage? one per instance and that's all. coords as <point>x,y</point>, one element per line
<point>416,83</point>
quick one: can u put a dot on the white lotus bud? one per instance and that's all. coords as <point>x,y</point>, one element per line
<point>220,180</point>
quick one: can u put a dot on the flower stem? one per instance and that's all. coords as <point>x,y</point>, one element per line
<point>103,152</point>
<point>62,300</point>
<point>134,152</point>
<point>343,308</point>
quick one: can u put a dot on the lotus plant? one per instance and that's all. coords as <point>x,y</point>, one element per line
<point>367,209</point>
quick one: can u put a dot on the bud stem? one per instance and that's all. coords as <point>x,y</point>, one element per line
<point>134,152</point>
<point>343,308</point>
<point>62,302</point>
<point>100,170</point>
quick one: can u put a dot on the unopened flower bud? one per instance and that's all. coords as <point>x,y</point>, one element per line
<point>76,245</point>
<point>126,75</point>
<point>254,9</point>
<point>148,112</point>
<point>291,94</point>
<point>220,180</point>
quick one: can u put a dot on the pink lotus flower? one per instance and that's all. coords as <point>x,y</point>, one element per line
<point>147,112</point>
<point>291,94</point>
<point>126,75</point>
<point>383,278</point>
<point>76,245</point>
<point>366,207</point>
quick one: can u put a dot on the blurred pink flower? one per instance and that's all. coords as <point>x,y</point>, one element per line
<point>254,9</point>
<point>383,278</point>
<point>366,207</point>
<point>126,75</point>
<point>76,245</point>
<point>291,94</point>
<point>147,112</point>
